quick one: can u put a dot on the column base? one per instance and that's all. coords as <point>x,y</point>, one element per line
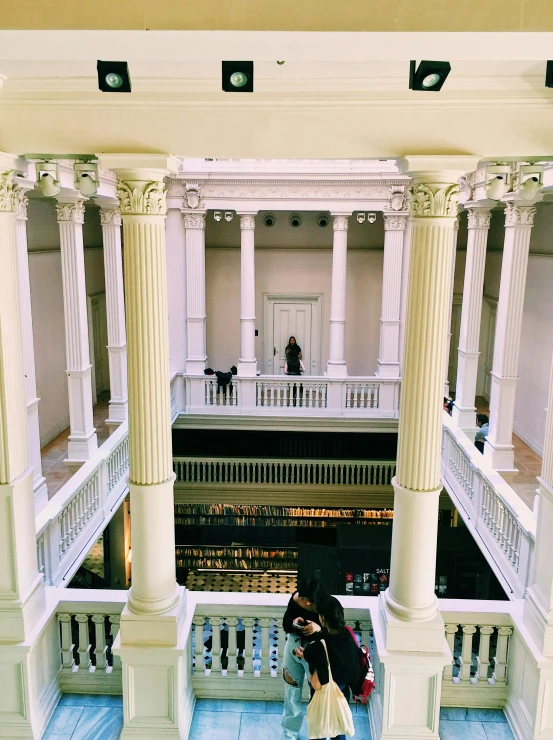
<point>336,370</point>
<point>538,620</point>
<point>247,368</point>
<point>195,367</point>
<point>500,457</point>
<point>81,448</point>
<point>40,492</point>
<point>387,369</point>
<point>465,419</point>
<point>118,412</point>
<point>426,636</point>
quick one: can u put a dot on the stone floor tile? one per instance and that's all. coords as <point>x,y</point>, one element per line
<point>91,700</point>
<point>273,707</point>
<point>362,729</point>
<point>215,726</point>
<point>487,715</point>
<point>454,730</point>
<point>266,726</point>
<point>64,721</point>
<point>498,731</point>
<point>243,707</point>
<point>99,723</point>
<point>458,714</point>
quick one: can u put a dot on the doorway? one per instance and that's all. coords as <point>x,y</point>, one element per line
<point>98,340</point>
<point>292,315</point>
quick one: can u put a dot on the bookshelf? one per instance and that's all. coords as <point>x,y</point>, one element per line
<point>237,558</point>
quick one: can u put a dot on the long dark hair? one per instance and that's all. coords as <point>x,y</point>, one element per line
<point>296,347</point>
<point>311,589</point>
<point>332,611</point>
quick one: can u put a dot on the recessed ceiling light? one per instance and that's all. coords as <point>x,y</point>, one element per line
<point>113,76</point>
<point>429,76</point>
<point>237,76</point>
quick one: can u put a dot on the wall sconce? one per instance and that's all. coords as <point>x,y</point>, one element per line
<point>217,215</point>
<point>361,218</point>
<point>228,216</point>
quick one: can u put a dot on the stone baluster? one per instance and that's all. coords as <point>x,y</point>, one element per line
<point>100,651</point>
<point>215,645</point>
<point>114,623</point>
<point>199,623</point>
<point>466,652</point>
<point>248,623</point>
<point>500,659</point>
<point>265,624</point>
<point>450,632</point>
<point>232,651</point>
<point>483,658</point>
<point>83,648</point>
<point>67,646</point>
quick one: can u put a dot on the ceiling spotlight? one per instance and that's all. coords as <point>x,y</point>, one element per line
<point>217,215</point>
<point>237,76</point>
<point>323,219</point>
<point>228,216</point>
<point>428,76</point>
<point>280,63</point>
<point>269,219</point>
<point>497,180</point>
<point>371,217</point>
<point>361,218</point>
<point>295,220</point>
<point>549,74</point>
<point>113,77</point>
<point>530,180</point>
<point>86,178</point>
<point>48,178</point>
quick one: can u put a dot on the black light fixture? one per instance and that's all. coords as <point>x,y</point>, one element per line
<point>238,77</point>
<point>428,76</point>
<point>549,74</point>
<point>113,77</point>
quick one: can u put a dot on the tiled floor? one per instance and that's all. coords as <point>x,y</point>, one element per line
<point>87,717</point>
<point>53,454</point>
<point>527,462</point>
<point>261,583</point>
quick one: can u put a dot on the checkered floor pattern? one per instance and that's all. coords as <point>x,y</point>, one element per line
<point>257,583</point>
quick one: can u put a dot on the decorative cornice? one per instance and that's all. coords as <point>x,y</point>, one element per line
<point>395,221</point>
<point>21,202</point>
<point>70,212</point>
<point>247,223</point>
<point>194,220</point>
<point>142,198</point>
<point>110,216</point>
<point>432,200</point>
<point>398,198</point>
<point>293,190</point>
<point>340,223</point>
<point>517,215</point>
<point>478,218</point>
<point>8,191</point>
<point>192,195</point>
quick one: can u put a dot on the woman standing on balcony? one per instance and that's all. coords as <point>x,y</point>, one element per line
<point>294,365</point>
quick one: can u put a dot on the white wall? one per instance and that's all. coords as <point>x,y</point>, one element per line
<point>294,271</point>
<point>176,289</point>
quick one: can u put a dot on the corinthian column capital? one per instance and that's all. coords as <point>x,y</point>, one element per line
<point>478,217</point>
<point>110,216</point>
<point>195,220</point>
<point>395,221</point>
<point>8,191</point>
<point>519,215</point>
<point>247,222</point>
<point>70,211</point>
<point>434,199</point>
<point>142,197</point>
<point>339,223</point>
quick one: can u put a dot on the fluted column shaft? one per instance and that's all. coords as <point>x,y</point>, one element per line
<point>390,318</point>
<point>499,449</point>
<point>464,410</point>
<point>18,563</point>
<point>247,366</point>
<point>110,218</point>
<point>33,431</point>
<point>143,208</point>
<point>336,366</point>
<point>449,333</point>
<point>196,355</point>
<point>417,486</point>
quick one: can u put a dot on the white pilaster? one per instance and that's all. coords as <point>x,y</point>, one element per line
<point>464,410</point>
<point>452,278</point>
<point>110,218</point>
<point>247,365</point>
<point>196,357</point>
<point>40,488</point>
<point>83,442</point>
<point>336,366</point>
<point>409,637</point>
<point>519,219</point>
<point>390,317</point>
<point>151,642</point>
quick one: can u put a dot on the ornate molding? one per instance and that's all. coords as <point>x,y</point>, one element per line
<point>296,191</point>
<point>340,223</point>
<point>8,191</point>
<point>398,198</point>
<point>247,223</point>
<point>517,215</point>
<point>395,222</point>
<point>192,195</point>
<point>110,216</point>
<point>21,202</point>
<point>142,198</point>
<point>433,200</point>
<point>70,212</point>
<point>478,218</point>
<point>194,220</point>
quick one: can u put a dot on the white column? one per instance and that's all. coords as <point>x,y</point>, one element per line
<point>110,218</point>
<point>22,599</point>
<point>519,219</point>
<point>83,442</point>
<point>196,357</point>
<point>151,643</point>
<point>452,278</point>
<point>410,634</point>
<point>247,365</point>
<point>464,410</point>
<point>33,431</point>
<point>390,317</point>
<point>176,284</point>
<point>336,366</point>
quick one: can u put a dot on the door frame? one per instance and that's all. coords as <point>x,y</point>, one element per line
<point>91,299</point>
<point>316,301</point>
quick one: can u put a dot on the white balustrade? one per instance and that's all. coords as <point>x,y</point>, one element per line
<point>500,522</point>
<point>239,471</point>
<point>362,395</point>
<point>220,395</point>
<point>300,394</point>
<point>73,520</point>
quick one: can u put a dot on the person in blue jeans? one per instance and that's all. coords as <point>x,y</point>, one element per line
<point>301,623</point>
<point>343,654</point>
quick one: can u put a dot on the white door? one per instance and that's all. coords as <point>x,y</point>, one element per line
<point>454,345</point>
<point>98,344</point>
<point>291,320</point>
<point>488,362</point>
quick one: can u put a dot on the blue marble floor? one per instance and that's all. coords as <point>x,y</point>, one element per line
<point>87,717</point>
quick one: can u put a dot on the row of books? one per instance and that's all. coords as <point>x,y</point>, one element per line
<point>235,552</point>
<point>271,521</point>
<point>239,558</point>
<point>253,510</point>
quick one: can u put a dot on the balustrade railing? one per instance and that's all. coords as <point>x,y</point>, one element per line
<point>501,523</point>
<point>301,394</point>
<point>239,471</point>
<point>362,395</point>
<point>70,523</point>
<point>220,395</point>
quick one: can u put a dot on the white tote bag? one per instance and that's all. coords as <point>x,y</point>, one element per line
<point>328,712</point>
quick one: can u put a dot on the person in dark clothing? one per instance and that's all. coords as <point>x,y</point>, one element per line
<point>294,365</point>
<point>342,650</point>
<point>301,623</point>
